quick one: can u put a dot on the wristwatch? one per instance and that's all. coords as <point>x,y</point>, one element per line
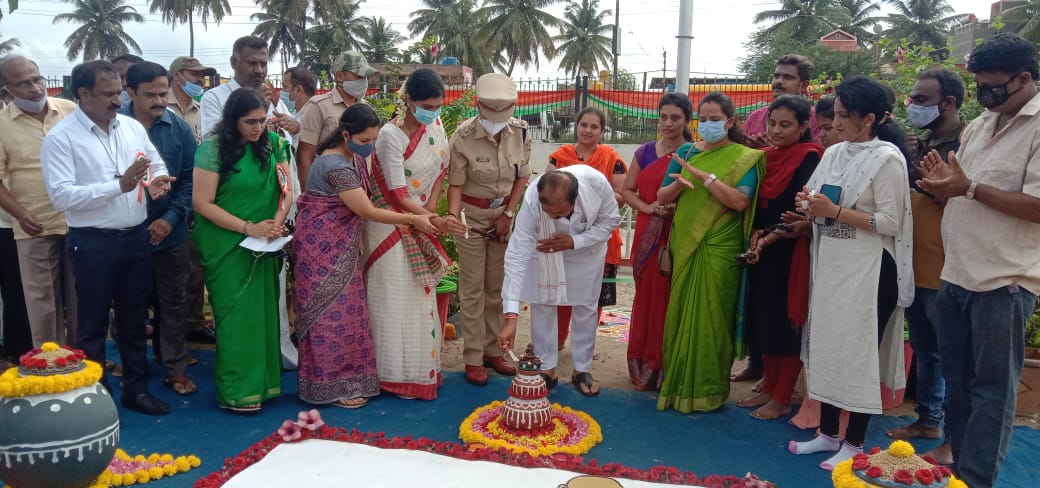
<point>970,194</point>
<point>510,213</point>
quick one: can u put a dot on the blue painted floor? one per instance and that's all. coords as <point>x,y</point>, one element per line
<point>728,441</point>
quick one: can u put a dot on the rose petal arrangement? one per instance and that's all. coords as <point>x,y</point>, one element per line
<point>572,432</point>
<point>57,369</point>
<point>897,467</point>
<point>310,426</point>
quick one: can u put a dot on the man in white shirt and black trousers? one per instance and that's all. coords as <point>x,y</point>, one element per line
<point>96,167</point>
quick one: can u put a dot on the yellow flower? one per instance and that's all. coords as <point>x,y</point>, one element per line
<point>129,479</point>
<point>194,461</point>
<point>156,472</point>
<point>143,476</point>
<point>166,458</point>
<point>117,480</point>
<point>49,347</point>
<point>154,458</point>
<point>12,385</point>
<point>169,469</point>
<point>182,464</point>
<point>956,483</point>
<point>901,449</point>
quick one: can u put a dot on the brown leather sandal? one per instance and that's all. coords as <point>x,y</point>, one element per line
<point>181,385</point>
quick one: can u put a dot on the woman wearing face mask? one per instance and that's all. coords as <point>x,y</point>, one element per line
<point>864,233</point>
<point>337,359</point>
<point>649,167</point>
<point>402,268</point>
<point>778,283</point>
<point>241,189</point>
<point>714,185</point>
<point>605,159</point>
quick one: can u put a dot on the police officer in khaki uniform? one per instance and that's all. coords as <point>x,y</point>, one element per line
<point>489,168</point>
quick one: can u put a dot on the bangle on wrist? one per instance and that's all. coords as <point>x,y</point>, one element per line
<point>837,215</point>
<point>245,227</point>
<point>710,179</point>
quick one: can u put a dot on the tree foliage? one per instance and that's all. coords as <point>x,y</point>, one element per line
<point>520,28</point>
<point>100,34</point>
<point>585,38</point>
<point>764,51</point>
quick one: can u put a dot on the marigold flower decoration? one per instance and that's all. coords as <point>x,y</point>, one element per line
<point>13,384</point>
<point>901,449</point>
<point>844,477</point>
<point>573,432</point>
<point>126,471</point>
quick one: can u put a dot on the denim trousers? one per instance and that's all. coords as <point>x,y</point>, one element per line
<point>981,344</point>
<point>931,387</point>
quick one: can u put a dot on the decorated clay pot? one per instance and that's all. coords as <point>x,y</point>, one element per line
<point>58,427</point>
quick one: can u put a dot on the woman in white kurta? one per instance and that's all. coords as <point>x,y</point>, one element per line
<point>862,275</point>
<point>403,266</point>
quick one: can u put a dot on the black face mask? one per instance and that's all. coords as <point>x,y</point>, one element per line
<point>993,96</point>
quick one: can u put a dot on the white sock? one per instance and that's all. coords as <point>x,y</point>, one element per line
<point>822,443</point>
<point>846,453</point>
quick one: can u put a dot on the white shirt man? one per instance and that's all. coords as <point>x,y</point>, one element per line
<point>555,257</point>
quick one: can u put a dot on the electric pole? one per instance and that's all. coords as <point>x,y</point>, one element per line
<point>682,68</point>
<point>617,38</point>
<point>664,69</point>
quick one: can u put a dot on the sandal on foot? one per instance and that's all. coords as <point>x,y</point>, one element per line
<point>351,403</point>
<point>181,385</point>
<point>192,361</point>
<point>585,379</point>
<point>550,382</point>
<point>254,408</point>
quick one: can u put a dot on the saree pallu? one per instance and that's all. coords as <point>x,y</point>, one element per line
<point>700,326</point>
<point>646,330</point>
<point>337,356</point>
<point>403,266</point>
<point>243,286</point>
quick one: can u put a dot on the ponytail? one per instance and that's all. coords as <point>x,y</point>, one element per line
<point>889,131</point>
<point>687,134</point>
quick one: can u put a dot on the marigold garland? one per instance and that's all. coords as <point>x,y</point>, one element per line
<point>13,385</point>
<point>574,432</point>
<point>577,464</point>
<point>126,471</point>
<point>844,475</point>
<point>901,449</point>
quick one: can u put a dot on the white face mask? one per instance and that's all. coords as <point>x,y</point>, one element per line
<point>356,88</point>
<point>29,106</point>
<point>493,128</point>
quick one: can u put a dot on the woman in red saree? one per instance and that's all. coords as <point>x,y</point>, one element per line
<point>337,356</point>
<point>648,169</point>
<point>602,157</point>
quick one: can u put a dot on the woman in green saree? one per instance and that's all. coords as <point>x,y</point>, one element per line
<point>714,188</point>
<point>241,185</point>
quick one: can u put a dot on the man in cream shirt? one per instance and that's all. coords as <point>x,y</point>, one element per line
<point>555,257</point>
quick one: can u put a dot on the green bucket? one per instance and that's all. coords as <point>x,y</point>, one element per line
<point>447,286</point>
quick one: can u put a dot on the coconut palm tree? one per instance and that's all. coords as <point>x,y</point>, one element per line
<point>281,25</point>
<point>922,21</point>
<point>451,21</point>
<point>800,20</point>
<point>186,11</point>
<point>379,41</point>
<point>101,34</point>
<point>858,17</point>
<point>585,38</point>
<point>1026,20</point>
<point>520,28</point>
<point>8,45</point>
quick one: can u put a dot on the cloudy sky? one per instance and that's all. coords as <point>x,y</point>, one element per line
<point>648,28</point>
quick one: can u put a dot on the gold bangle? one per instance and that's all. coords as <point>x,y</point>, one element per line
<point>836,216</point>
<point>410,217</point>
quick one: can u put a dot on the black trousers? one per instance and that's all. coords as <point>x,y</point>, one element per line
<point>17,337</point>
<point>114,269</point>
<point>170,268</point>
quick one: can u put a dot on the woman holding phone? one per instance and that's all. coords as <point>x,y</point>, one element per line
<point>862,274</point>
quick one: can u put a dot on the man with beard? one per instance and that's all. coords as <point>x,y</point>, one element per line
<point>167,221</point>
<point>95,166</point>
<point>40,231</point>
<point>991,273</point>
<point>791,77</point>
<point>935,101</point>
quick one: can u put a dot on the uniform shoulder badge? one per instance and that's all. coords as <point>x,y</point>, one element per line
<point>515,122</point>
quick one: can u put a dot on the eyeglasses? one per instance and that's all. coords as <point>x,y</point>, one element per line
<point>255,122</point>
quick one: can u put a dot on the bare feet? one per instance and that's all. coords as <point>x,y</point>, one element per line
<point>772,410</point>
<point>746,374</point>
<point>758,386</point>
<point>754,401</point>
<point>943,454</point>
<point>916,430</point>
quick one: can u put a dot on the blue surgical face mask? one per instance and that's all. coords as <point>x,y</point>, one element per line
<point>192,89</point>
<point>712,131</point>
<point>287,101</point>
<point>426,117</point>
<point>362,150</point>
<point>921,116</point>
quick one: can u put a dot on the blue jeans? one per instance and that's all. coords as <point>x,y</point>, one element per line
<point>931,388</point>
<point>981,343</point>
